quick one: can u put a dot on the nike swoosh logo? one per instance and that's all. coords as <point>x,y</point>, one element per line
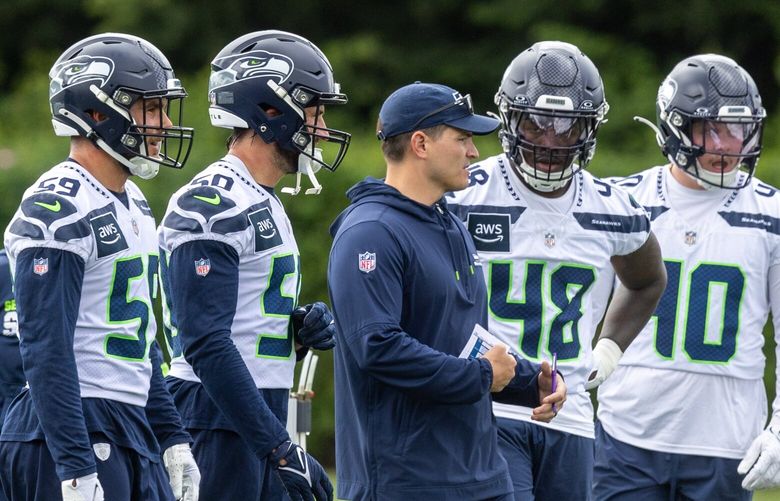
<point>215,200</point>
<point>55,207</point>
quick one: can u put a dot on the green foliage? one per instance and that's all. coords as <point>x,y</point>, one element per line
<point>374,49</point>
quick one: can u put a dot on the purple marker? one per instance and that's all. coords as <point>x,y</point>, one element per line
<point>554,378</point>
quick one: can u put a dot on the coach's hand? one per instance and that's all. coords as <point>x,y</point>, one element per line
<point>183,472</point>
<point>313,326</point>
<point>503,365</point>
<point>302,475</point>
<point>551,402</point>
<point>86,488</point>
<point>761,465</point>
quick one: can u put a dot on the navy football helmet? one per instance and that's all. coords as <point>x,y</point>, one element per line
<point>551,103</point>
<point>108,74</point>
<point>705,103</point>
<point>276,70</point>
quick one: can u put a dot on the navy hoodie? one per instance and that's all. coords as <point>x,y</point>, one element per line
<point>413,421</point>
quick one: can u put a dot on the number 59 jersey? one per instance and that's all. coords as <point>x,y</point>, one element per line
<point>68,209</point>
<point>223,203</point>
<point>548,270</point>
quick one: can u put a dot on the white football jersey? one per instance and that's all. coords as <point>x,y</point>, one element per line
<point>548,271</point>
<point>69,209</point>
<point>223,203</point>
<point>705,338</point>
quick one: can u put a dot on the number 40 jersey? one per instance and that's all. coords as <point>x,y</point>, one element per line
<point>68,209</point>
<point>548,270</point>
<point>692,381</point>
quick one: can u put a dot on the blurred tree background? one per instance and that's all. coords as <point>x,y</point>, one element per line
<point>376,47</point>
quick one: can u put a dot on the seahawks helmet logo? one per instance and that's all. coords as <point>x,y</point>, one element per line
<point>255,64</point>
<point>78,70</point>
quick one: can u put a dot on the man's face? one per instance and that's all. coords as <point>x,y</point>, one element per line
<point>151,113</point>
<point>722,142</point>
<point>551,140</point>
<point>451,154</point>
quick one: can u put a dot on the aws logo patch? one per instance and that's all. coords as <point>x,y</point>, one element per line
<point>266,232</point>
<point>108,236</point>
<point>489,231</point>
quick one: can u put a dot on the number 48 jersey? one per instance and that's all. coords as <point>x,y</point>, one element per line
<point>68,209</point>
<point>224,204</point>
<point>548,270</point>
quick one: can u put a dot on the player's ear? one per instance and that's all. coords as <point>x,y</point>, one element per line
<point>418,143</point>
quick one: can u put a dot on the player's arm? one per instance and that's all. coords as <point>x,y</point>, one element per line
<point>205,307</point>
<point>367,307</point>
<point>48,305</point>
<point>761,464</point>
<point>160,410</point>
<point>642,277</point>
<point>174,440</point>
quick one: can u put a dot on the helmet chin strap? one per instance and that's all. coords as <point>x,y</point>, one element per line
<point>307,165</point>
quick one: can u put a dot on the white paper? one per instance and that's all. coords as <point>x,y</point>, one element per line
<point>479,343</point>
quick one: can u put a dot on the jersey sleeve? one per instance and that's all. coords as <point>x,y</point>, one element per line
<point>205,307</point>
<point>48,304</point>
<point>634,228</point>
<point>49,219</point>
<point>204,213</point>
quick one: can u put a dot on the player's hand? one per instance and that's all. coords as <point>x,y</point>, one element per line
<point>302,475</point>
<point>545,412</point>
<point>183,472</point>
<point>503,365</point>
<point>314,327</point>
<point>761,464</point>
<point>606,356</point>
<point>86,488</point>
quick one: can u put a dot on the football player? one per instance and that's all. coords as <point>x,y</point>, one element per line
<point>11,374</point>
<point>682,415</point>
<point>551,238</point>
<point>96,414</point>
<point>232,269</point>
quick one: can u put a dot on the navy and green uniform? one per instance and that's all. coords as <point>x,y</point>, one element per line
<point>11,373</point>
<point>231,277</point>
<point>86,265</point>
<point>688,396</point>
<point>549,272</point>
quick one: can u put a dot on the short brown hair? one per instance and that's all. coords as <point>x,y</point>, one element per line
<point>394,148</point>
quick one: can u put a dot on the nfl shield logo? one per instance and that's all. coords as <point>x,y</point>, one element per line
<point>690,237</point>
<point>40,266</point>
<point>202,267</point>
<point>549,240</point>
<point>367,262</point>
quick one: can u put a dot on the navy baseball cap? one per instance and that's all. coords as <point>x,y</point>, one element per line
<point>422,105</point>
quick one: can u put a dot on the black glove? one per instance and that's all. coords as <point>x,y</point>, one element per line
<point>303,477</point>
<point>313,326</point>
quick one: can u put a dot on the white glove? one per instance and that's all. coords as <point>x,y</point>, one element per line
<point>183,472</point>
<point>762,461</point>
<point>606,356</point>
<point>86,488</point>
